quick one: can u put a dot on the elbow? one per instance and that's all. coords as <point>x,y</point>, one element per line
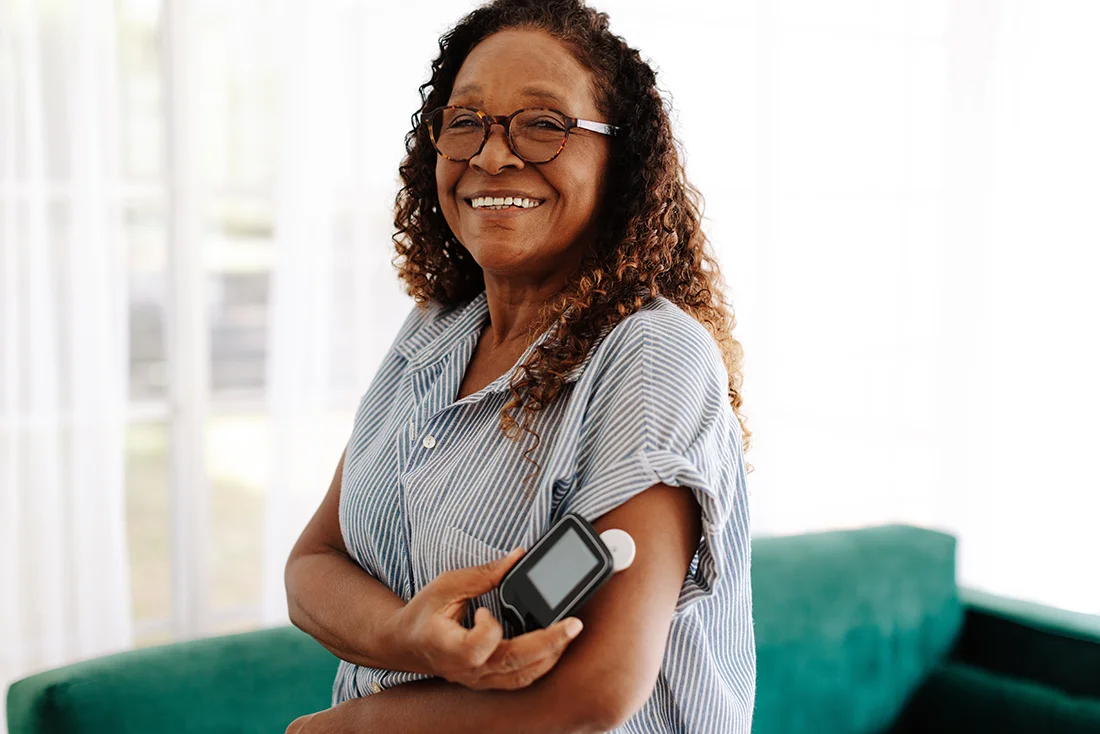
<point>618,709</point>
<point>598,721</point>
<point>293,610</point>
<point>294,613</point>
<point>607,704</point>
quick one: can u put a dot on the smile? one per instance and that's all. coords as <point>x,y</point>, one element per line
<point>507,202</point>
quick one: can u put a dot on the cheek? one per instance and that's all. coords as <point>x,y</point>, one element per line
<point>584,197</point>
<point>445,181</point>
<point>584,186</point>
<point>441,187</point>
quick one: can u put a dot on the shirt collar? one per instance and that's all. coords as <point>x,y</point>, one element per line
<point>444,332</point>
<point>447,332</point>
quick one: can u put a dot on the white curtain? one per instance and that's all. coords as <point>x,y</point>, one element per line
<point>335,300</point>
<point>63,563</point>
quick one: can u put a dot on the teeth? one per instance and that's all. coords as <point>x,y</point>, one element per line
<point>489,202</point>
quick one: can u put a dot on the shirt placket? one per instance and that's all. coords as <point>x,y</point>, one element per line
<point>422,436</point>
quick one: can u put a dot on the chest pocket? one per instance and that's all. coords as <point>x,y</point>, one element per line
<point>458,549</point>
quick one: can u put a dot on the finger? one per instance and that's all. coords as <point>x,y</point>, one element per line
<point>453,639</point>
<point>528,649</point>
<point>467,583</point>
<point>483,638</point>
<point>460,652</point>
<point>515,678</point>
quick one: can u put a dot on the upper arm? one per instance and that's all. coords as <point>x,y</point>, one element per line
<point>660,456</point>
<point>610,670</point>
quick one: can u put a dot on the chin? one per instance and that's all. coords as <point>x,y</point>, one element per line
<point>498,265</point>
<point>499,255</point>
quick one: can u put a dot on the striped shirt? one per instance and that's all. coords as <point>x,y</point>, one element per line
<point>431,483</point>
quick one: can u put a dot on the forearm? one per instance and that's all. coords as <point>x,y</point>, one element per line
<point>346,609</point>
<point>432,706</point>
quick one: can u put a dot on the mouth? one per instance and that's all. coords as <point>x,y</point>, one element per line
<point>506,203</point>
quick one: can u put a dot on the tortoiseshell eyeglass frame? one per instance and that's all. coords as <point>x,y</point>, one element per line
<point>487,122</point>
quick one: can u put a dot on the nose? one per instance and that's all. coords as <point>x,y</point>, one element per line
<point>496,154</point>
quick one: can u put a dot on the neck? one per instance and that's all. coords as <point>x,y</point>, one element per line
<point>515,309</point>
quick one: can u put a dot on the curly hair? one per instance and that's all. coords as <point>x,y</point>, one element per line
<point>650,243</point>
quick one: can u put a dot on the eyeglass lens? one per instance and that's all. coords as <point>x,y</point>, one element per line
<point>537,134</point>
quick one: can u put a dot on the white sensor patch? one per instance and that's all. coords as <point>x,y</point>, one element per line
<point>621,546</point>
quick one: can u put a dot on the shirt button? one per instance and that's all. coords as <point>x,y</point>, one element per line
<point>375,687</point>
<point>429,442</point>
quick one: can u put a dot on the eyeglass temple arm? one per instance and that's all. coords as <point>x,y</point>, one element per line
<point>597,127</point>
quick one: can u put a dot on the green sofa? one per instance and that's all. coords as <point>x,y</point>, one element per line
<point>858,632</point>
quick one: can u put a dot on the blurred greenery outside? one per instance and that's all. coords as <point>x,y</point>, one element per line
<point>235,448</point>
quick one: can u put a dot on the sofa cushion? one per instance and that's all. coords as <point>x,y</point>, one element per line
<point>239,684</point>
<point>848,624</point>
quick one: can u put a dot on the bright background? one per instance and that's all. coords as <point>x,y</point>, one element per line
<point>195,281</point>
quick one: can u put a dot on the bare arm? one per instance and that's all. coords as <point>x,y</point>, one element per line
<point>335,601</point>
<point>359,619</point>
<point>604,677</point>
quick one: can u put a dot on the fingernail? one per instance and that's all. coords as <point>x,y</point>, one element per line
<point>510,556</point>
<point>573,626</point>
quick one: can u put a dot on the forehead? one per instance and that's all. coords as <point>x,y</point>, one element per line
<point>523,68</point>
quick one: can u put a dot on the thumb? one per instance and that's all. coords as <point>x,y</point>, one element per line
<point>477,580</point>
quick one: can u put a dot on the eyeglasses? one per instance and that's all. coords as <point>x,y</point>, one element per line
<point>535,134</point>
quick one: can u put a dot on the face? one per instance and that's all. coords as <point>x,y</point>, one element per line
<point>507,71</point>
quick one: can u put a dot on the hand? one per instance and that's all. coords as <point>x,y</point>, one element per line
<point>430,629</point>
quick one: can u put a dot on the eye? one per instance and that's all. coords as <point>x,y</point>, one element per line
<point>549,123</point>
<point>464,121</point>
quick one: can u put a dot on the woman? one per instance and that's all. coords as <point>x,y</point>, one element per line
<point>571,352</point>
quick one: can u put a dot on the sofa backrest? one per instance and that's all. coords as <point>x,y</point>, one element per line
<point>848,624</point>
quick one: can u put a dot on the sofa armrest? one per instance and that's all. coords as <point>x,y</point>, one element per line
<point>252,682</point>
<point>1031,642</point>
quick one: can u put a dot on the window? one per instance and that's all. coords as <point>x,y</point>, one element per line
<point>229,149</point>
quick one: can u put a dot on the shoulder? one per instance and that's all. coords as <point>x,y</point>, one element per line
<point>423,320</point>
<point>664,345</point>
<point>426,323</point>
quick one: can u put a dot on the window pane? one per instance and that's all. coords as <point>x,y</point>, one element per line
<point>145,236</point>
<point>235,50</point>
<point>239,254</point>
<point>238,457</point>
<point>147,523</point>
<point>140,89</point>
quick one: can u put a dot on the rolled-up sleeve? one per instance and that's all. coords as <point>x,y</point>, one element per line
<point>659,413</point>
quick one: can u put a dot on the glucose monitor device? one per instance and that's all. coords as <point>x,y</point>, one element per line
<point>562,571</point>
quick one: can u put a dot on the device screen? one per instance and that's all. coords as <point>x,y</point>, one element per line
<point>563,566</point>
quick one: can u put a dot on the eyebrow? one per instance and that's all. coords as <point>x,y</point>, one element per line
<point>529,91</point>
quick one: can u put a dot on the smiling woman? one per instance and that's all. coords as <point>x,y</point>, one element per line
<point>570,353</point>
